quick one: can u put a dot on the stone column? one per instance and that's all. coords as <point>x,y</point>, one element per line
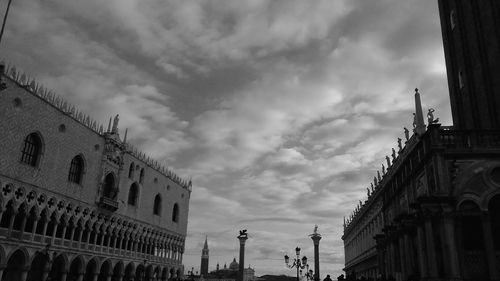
<point>65,228</point>
<point>45,224</point>
<point>409,253</point>
<point>1,272</point>
<point>11,222</point>
<point>451,255</point>
<point>72,233</point>
<point>80,277</point>
<point>54,232</point>
<point>431,249</point>
<point>24,274</point>
<point>80,235</point>
<point>243,238</point>
<point>63,276</point>
<point>402,256</point>
<point>489,247</point>
<point>33,231</point>
<point>23,224</point>
<point>316,237</point>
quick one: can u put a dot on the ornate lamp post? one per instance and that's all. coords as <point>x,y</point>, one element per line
<point>297,262</point>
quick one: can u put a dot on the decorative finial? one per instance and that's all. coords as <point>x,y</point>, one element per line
<point>109,126</point>
<point>368,192</point>
<point>399,144</point>
<point>407,133</point>
<point>418,118</point>
<point>115,124</point>
<point>383,169</point>
<point>378,176</point>
<point>393,155</point>
<point>125,137</point>
<point>388,160</point>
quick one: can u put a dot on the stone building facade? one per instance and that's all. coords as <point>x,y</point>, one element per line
<point>77,201</point>
<point>434,212</point>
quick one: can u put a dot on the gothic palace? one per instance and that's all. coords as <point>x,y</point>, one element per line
<point>78,203</point>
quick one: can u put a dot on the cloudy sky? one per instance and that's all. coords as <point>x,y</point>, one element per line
<point>281,111</point>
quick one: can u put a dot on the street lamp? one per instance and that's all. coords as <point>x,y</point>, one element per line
<point>191,273</point>
<point>297,262</point>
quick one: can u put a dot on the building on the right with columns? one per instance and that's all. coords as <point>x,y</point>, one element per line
<point>433,212</point>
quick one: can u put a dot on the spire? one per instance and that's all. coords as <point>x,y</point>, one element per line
<point>109,126</point>
<point>418,118</point>
<point>125,138</point>
<point>114,129</point>
<point>205,247</point>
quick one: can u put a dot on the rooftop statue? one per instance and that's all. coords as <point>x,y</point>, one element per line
<point>430,117</point>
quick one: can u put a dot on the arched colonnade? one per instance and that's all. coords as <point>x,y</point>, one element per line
<point>21,264</point>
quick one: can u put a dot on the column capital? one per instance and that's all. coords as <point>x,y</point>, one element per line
<point>315,238</point>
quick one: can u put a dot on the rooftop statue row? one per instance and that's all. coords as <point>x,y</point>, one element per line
<point>37,89</point>
<point>419,128</point>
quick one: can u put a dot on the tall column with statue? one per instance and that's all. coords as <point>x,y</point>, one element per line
<point>243,238</point>
<point>315,238</point>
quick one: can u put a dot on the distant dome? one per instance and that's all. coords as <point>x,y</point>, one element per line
<point>234,265</point>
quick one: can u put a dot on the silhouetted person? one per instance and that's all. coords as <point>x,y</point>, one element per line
<point>327,278</point>
<point>341,277</point>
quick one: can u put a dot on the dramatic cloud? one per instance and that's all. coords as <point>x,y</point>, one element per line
<point>281,111</point>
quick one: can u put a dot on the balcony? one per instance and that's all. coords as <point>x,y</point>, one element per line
<point>108,204</point>
<point>469,139</point>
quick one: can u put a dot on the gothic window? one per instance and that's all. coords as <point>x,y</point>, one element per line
<point>109,186</point>
<point>31,149</point>
<point>472,230</point>
<point>494,212</point>
<point>133,194</point>
<point>453,19</point>
<point>131,171</point>
<point>157,205</point>
<point>175,213</point>
<point>76,170</point>
<point>461,82</point>
<point>141,176</point>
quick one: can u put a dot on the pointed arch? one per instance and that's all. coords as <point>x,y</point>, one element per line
<point>76,268</point>
<point>141,176</point>
<point>157,205</point>
<point>118,271</point>
<point>7,214</point>
<point>129,271</point>
<point>133,194</point>
<point>76,169</point>
<point>131,171</point>
<point>175,213</point>
<point>105,271</point>
<point>32,149</point>
<point>16,263</point>
<point>109,186</point>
